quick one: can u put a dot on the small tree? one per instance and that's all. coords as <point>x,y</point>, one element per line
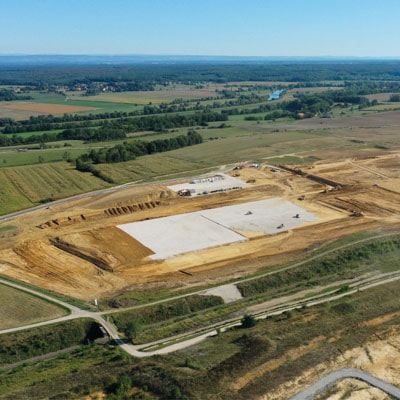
<point>132,329</point>
<point>248,321</point>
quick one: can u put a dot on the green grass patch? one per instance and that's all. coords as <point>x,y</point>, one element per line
<point>284,160</point>
<point>164,311</point>
<point>377,255</point>
<point>30,343</point>
<point>8,230</point>
<point>18,308</point>
<point>383,107</point>
<point>37,156</point>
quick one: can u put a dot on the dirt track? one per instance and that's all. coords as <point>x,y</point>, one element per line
<point>76,248</point>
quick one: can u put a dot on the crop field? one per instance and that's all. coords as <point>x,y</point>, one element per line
<point>237,141</point>
<point>11,198</point>
<point>53,103</point>
<point>102,106</point>
<point>255,147</point>
<point>155,97</point>
<point>19,308</point>
<point>25,186</point>
<point>308,210</point>
<point>149,167</point>
<point>48,108</point>
<point>36,156</point>
<point>380,96</point>
<point>16,114</point>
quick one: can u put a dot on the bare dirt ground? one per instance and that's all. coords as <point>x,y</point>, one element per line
<point>48,108</point>
<point>76,249</point>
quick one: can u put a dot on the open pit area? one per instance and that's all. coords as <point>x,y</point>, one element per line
<point>150,236</point>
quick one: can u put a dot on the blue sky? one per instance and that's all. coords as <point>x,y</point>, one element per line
<point>201,27</point>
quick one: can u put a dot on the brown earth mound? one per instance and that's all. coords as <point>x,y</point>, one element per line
<point>108,248</point>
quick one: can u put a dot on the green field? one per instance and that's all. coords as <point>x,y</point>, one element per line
<point>26,186</point>
<point>36,156</point>
<point>55,98</point>
<point>149,167</point>
<point>86,101</point>
<point>384,107</point>
<point>162,95</point>
<point>19,308</point>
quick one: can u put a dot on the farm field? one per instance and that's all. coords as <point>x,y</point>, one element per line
<point>26,186</point>
<point>154,97</point>
<point>57,104</point>
<point>48,108</point>
<point>18,308</point>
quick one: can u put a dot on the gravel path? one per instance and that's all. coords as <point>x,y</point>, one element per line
<point>333,377</point>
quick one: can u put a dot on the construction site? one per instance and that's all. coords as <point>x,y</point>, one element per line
<point>202,230</point>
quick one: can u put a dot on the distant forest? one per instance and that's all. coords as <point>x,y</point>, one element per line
<point>144,77</point>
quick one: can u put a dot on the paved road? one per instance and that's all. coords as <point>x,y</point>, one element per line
<point>333,377</point>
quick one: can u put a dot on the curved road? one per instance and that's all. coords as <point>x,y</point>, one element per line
<point>330,379</point>
<point>181,341</point>
<point>168,345</point>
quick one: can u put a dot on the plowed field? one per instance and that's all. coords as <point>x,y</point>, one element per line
<point>48,108</point>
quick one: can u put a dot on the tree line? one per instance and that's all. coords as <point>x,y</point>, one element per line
<point>9,95</point>
<point>133,119</point>
<point>118,129</point>
<point>127,151</point>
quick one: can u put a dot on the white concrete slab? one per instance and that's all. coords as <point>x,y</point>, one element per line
<point>261,216</point>
<point>179,234</point>
<point>182,233</point>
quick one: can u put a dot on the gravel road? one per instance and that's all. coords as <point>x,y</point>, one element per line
<point>333,377</point>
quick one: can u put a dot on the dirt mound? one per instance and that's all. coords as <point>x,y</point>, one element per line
<point>108,248</point>
<point>42,264</point>
<point>93,215</point>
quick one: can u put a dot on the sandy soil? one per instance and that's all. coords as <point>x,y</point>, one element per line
<point>95,259</point>
<point>380,357</point>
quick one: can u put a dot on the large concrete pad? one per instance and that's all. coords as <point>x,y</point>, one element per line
<point>182,233</point>
<point>178,234</point>
<point>263,216</point>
